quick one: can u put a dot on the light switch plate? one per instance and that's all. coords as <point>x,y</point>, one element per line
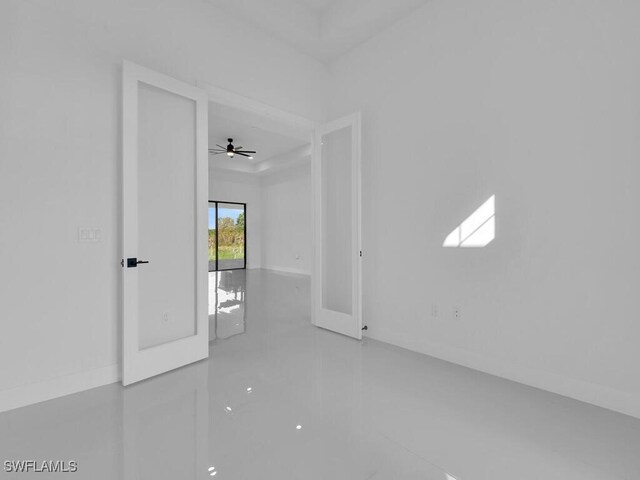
<point>89,234</point>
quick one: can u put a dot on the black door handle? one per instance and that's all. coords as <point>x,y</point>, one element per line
<point>133,262</point>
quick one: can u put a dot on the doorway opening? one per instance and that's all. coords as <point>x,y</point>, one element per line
<point>303,179</point>
<point>227,236</point>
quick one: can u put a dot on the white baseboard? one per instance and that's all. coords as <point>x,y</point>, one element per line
<point>619,401</point>
<point>57,387</point>
<point>296,271</point>
<point>595,394</point>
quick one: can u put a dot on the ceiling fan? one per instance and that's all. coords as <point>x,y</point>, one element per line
<point>231,150</point>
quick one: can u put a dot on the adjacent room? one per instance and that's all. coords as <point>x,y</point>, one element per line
<point>267,223</point>
<point>320,239</point>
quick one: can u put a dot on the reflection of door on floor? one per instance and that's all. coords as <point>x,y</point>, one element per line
<point>227,306</point>
<point>227,236</point>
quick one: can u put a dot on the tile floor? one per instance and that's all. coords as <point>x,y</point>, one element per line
<point>280,399</point>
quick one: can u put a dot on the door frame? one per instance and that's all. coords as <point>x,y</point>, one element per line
<point>305,129</point>
<point>140,364</point>
<point>244,267</point>
<point>277,120</point>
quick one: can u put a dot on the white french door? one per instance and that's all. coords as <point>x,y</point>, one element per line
<point>336,280</point>
<point>164,229</point>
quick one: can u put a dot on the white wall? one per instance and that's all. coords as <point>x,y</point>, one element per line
<point>59,155</point>
<point>242,188</point>
<point>286,219</point>
<point>278,214</point>
<point>537,103</point>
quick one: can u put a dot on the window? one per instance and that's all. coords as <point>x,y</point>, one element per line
<point>227,236</point>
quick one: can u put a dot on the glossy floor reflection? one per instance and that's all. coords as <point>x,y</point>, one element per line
<point>227,306</point>
<point>285,400</point>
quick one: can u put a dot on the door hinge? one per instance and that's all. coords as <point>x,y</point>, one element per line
<point>365,328</point>
<point>360,252</point>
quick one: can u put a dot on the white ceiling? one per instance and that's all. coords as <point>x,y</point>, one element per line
<point>272,146</point>
<point>323,29</point>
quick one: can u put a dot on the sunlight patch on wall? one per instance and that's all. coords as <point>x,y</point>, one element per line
<point>478,230</point>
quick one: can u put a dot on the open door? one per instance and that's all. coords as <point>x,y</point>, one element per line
<point>164,230</point>
<point>336,280</point>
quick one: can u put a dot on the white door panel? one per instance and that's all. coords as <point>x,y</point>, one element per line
<point>336,278</point>
<point>164,222</point>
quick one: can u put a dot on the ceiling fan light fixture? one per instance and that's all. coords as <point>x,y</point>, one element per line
<point>231,150</point>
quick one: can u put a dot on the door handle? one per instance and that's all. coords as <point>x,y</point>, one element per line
<point>134,262</point>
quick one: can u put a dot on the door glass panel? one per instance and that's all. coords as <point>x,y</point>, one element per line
<point>231,230</point>
<point>337,247</point>
<point>166,216</point>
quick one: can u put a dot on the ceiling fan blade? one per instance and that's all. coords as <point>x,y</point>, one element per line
<point>243,154</point>
<point>245,151</point>
<point>218,145</point>
<point>216,153</point>
<point>238,148</point>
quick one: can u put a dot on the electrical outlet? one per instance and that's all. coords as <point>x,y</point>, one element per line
<point>457,313</point>
<point>165,317</point>
<point>434,310</point>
